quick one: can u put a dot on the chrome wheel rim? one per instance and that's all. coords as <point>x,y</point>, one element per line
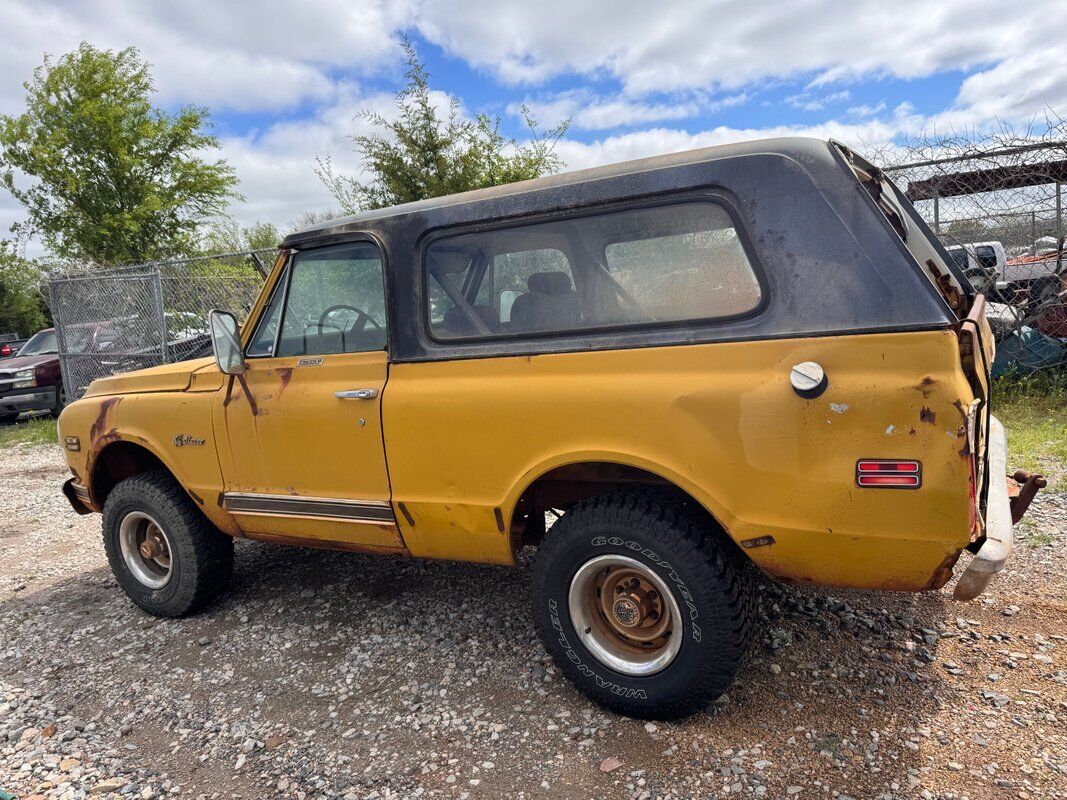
<point>145,549</point>
<point>625,615</point>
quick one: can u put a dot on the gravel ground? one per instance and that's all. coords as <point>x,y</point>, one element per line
<point>324,675</point>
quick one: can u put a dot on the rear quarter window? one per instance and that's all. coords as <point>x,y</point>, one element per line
<point>658,265</point>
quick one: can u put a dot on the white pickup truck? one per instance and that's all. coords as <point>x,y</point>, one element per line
<point>991,271</point>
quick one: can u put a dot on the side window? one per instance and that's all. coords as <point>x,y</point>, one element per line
<point>335,302</point>
<point>644,266</point>
<point>262,343</point>
<point>692,266</point>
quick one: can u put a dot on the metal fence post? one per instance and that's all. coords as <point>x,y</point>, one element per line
<point>161,313</point>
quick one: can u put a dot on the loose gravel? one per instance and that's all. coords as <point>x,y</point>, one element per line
<point>326,675</point>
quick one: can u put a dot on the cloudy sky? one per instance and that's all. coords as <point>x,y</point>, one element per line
<point>285,81</point>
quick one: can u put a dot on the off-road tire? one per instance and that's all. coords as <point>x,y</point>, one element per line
<point>201,556</point>
<point>704,572</point>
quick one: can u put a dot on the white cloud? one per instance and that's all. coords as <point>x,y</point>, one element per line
<point>238,54</point>
<point>732,43</point>
<point>310,65</point>
<point>589,112</point>
<point>807,101</point>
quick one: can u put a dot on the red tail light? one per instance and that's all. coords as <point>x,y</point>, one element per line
<point>874,473</point>
<point>5,350</point>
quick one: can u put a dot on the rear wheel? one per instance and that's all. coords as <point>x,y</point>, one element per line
<point>165,554</point>
<point>641,604</point>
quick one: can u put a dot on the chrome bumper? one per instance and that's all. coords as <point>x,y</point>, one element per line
<point>999,537</point>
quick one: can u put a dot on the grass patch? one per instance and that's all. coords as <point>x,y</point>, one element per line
<point>1034,412</point>
<point>35,430</point>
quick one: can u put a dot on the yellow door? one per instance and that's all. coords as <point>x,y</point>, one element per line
<point>302,451</point>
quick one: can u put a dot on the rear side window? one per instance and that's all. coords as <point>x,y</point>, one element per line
<point>643,266</point>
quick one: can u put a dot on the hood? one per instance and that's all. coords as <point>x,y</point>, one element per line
<point>164,378</point>
<point>25,362</point>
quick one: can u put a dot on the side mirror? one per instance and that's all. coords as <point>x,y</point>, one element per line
<point>225,342</point>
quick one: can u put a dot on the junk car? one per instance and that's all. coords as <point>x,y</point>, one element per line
<point>663,375</point>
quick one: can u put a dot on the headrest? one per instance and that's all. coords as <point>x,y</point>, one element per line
<point>549,282</point>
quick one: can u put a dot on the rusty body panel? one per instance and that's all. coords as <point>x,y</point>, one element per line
<point>455,449</point>
<point>721,422</point>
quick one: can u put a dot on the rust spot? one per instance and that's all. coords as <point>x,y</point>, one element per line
<point>944,571</point>
<point>100,422</point>
<point>927,415</point>
<point>286,374</point>
<point>959,407</point>
<point>912,431</point>
<point>926,386</point>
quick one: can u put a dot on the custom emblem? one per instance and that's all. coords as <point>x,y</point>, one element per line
<point>310,362</point>
<point>184,439</point>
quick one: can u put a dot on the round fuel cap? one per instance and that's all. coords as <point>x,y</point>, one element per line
<point>808,379</point>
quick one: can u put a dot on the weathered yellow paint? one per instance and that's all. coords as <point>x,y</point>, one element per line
<point>298,439</point>
<point>464,438</point>
<point>719,420</point>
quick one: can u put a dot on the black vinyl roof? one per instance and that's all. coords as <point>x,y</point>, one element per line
<point>829,260</point>
<point>791,147</point>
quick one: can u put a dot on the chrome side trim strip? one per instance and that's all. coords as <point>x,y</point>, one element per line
<point>378,511</point>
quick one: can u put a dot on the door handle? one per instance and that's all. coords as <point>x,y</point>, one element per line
<point>357,394</point>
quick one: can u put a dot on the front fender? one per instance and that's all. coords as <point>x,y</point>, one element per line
<point>175,427</point>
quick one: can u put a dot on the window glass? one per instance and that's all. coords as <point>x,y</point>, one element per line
<point>262,343</point>
<point>987,257</point>
<point>336,302</point>
<point>640,266</point>
<point>41,343</point>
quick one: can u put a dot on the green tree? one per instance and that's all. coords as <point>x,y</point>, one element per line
<point>421,153</point>
<point>22,308</point>
<point>226,236</point>
<point>115,180</point>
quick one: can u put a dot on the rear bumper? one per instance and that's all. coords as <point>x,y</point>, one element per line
<point>41,398</point>
<point>999,537</point>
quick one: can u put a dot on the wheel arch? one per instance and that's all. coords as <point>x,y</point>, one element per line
<point>564,481</point>
<point>119,460</point>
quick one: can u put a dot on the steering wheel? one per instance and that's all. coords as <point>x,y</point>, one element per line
<point>358,324</point>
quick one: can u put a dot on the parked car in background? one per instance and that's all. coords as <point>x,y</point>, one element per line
<point>10,344</point>
<point>982,262</point>
<point>31,380</point>
<point>1031,279</point>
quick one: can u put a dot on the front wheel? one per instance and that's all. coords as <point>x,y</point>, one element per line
<point>61,400</point>
<point>641,605</point>
<point>165,554</point>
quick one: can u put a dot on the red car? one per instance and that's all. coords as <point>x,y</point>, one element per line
<point>31,380</point>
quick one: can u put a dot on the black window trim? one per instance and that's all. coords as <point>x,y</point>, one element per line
<point>287,277</point>
<point>706,195</point>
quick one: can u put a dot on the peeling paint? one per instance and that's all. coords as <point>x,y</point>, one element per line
<point>890,429</point>
<point>839,408</point>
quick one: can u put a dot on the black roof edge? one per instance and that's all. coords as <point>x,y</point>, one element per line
<point>333,230</point>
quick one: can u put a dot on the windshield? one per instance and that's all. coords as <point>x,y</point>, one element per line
<point>40,344</point>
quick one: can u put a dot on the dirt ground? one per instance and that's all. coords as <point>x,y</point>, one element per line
<point>334,675</point>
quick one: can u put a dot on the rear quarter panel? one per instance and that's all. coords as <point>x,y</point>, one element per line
<point>464,438</point>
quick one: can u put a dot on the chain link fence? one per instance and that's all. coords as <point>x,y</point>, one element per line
<point>118,320</point>
<point>997,203</point>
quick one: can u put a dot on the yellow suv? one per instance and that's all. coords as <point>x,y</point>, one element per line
<point>654,372</point>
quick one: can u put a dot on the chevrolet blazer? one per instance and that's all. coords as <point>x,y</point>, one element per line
<point>660,374</point>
